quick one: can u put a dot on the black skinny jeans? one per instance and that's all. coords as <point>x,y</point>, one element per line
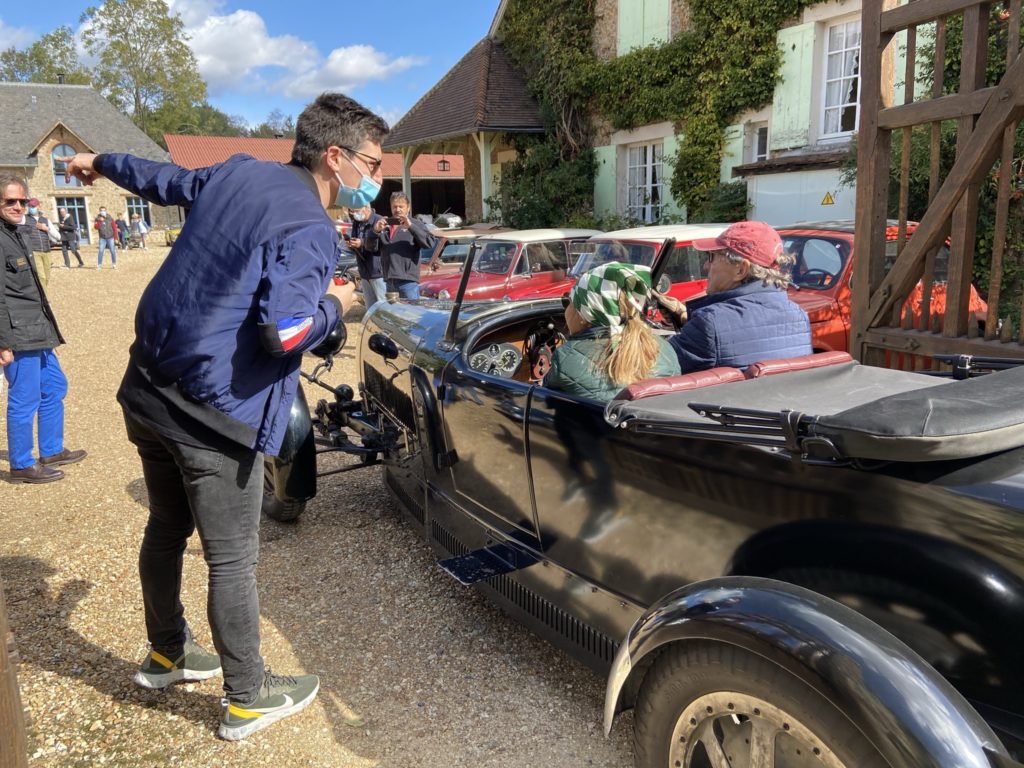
<point>217,490</point>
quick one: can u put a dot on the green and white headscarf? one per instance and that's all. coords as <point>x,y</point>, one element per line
<point>596,294</point>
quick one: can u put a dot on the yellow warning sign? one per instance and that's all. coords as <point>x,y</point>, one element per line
<point>827,199</point>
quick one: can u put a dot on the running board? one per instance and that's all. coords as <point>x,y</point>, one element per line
<point>480,564</point>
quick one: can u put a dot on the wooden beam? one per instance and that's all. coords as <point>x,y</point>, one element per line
<point>872,182</point>
<point>921,12</point>
<point>1006,105</point>
<point>949,107</point>
<point>929,343</point>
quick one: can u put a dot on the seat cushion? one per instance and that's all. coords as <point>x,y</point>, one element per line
<point>667,384</point>
<point>801,363</point>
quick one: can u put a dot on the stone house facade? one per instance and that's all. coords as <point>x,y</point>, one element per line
<point>49,121</point>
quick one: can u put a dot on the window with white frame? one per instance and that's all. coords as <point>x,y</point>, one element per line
<point>644,181</point>
<point>141,207</point>
<point>756,142</point>
<point>842,79</point>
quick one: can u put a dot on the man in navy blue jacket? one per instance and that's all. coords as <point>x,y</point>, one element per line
<point>746,316</point>
<point>220,332</point>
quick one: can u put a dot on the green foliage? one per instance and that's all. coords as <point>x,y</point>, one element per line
<point>195,120</point>
<point>724,202</point>
<point>276,124</point>
<point>51,55</point>
<point>728,62</point>
<point>542,188</point>
<point>144,61</point>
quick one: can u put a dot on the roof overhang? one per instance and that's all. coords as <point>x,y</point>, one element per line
<point>787,163</point>
<point>60,124</point>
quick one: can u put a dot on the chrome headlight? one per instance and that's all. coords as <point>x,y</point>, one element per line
<point>443,294</point>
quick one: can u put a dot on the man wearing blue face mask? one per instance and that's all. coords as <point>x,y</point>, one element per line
<point>220,332</point>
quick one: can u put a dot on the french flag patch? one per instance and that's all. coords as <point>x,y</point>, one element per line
<point>292,330</point>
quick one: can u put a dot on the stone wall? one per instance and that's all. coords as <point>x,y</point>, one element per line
<point>606,29</point>
<point>42,184</point>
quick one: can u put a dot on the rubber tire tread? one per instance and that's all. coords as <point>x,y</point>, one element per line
<point>689,670</point>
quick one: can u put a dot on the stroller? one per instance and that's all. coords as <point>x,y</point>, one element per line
<point>134,240</point>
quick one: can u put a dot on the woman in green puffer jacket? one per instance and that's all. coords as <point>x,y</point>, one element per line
<point>610,345</point>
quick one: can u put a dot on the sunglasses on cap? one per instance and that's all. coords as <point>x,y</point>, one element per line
<point>9,201</point>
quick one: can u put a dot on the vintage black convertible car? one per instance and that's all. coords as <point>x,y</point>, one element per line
<point>810,563</point>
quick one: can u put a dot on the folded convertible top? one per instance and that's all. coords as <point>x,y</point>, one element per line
<point>864,412</point>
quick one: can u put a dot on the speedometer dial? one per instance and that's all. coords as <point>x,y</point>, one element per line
<point>481,361</point>
<point>508,361</point>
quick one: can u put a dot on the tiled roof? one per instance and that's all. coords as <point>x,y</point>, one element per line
<point>200,151</point>
<point>34,109</point>
<point>484,91</point>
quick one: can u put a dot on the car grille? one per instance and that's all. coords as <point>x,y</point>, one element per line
<point>388,396</point>
<point>572,629</point>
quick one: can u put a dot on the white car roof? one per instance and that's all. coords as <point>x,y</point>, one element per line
<point>534,235</point>
<point>664,232</point>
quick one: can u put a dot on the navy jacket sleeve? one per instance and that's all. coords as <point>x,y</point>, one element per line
<point>696,344</point>
<point>159,183</point>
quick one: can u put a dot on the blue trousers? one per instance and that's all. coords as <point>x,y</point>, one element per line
<point>407,289</point>
<point>107,242</point>
<point>217,490</point>
<point>36,386</point>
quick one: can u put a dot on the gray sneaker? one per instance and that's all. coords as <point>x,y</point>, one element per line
<point>195,663</point>
<point>278,697</point>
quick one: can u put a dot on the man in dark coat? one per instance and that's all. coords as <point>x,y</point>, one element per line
<point>28,334</point>
<point>365,244</point>
<point>68,237</point>
<point>746,315</point>
<point>400,244</point>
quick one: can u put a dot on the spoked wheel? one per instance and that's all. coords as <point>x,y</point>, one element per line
<point>708,705</point>
<point>273,507</point>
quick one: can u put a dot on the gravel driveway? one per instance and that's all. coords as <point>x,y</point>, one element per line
<point>415,669</point>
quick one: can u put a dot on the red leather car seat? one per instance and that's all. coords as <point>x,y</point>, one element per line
<point>666,384</point>
<point>801,363</point>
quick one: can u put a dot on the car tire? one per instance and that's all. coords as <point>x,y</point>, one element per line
<point>273,507</point>
<point>704,704</point>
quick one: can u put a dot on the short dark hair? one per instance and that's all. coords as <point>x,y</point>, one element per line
<point>6,179</point>
<point>333,120</point>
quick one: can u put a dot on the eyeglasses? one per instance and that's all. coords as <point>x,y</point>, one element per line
<point>12,201</point>
<point>373,164</point>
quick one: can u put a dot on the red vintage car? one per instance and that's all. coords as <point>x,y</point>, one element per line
<point>823,275</point>
<point>512,264</point>
<point>647,246</point>
<point>451,246</point>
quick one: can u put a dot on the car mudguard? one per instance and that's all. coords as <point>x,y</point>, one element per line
<point>908,711</point>
<point>294,467</point>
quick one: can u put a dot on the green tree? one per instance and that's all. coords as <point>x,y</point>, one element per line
<point>196,120</point>
<point>276,124</point>
<point>51,55</point>
<point>145,64</point>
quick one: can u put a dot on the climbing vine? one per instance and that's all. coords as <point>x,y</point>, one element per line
<point>726,62</point>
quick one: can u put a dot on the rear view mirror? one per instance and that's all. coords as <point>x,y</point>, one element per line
<point>664,284</point>
<point>383,345</point>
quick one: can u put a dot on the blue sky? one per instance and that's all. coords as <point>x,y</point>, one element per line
<point>258,55</point>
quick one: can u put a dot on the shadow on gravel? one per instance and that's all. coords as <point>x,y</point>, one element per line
<point>45,639</point>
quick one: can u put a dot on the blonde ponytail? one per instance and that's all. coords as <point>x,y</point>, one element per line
<point>630,356</point>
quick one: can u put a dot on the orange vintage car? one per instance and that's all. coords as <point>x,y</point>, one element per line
<point>823,275</point>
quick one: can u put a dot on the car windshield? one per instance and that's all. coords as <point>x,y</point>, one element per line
<point>593,253</point>
<point>454,252</point>
<point>494,257</point>
<point>819,261</point>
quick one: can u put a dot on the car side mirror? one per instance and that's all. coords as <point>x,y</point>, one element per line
<point>383,345</point>
<point>664,284</point>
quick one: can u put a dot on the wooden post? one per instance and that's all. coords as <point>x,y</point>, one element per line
<point>13,745</point>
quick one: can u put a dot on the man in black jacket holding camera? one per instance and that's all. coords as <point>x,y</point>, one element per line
<point>401,238</point>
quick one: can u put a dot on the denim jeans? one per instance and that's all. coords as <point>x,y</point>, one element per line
<point>109,243</point>
<point>373,291</point>
<point>407,289</point>
<point>36,386</point>
<point>217,490</point>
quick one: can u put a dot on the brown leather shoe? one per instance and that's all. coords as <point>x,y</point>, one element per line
<point>64,457</point>
<point>37,473</point>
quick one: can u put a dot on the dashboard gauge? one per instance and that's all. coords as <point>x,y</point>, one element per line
<point>481,361</point>
<point>494,349</point>
<point>508,361</point>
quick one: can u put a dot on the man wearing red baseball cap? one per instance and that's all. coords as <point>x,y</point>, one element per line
<point>746,315</point>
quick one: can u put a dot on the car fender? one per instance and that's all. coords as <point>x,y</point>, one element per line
<point>294,467</point>
<point>909,712</point>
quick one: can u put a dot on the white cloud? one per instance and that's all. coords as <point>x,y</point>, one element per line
<point>345,69</point>
<point>236,52</point>
<point>17,37</point>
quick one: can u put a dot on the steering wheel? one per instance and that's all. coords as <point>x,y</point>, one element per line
<point>824,277</point>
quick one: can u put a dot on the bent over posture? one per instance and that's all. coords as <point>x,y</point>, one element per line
<point>212,374</point>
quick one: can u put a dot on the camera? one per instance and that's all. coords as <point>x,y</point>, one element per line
<point>394,219</point>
